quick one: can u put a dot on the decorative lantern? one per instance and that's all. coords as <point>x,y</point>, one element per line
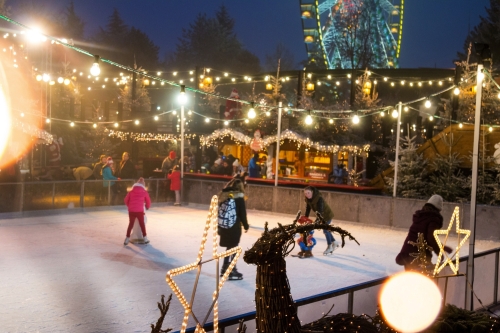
<point>310,86</point>
<point>146,82</point>
<point>207,81</point>
<point>269,86</point>
<point>367,87</point>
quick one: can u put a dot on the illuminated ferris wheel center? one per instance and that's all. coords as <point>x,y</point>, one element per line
<point>352,33</point>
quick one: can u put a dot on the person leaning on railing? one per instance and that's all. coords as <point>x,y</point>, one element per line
<point>108,179</point>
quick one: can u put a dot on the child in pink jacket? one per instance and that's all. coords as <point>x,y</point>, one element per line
<point>135,201</point>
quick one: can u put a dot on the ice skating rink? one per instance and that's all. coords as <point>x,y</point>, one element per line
<point>71,273</point>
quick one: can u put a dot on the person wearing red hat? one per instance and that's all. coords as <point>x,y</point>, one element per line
<point>108,178</point>
<point>168,163</point>
<point>174,176</point>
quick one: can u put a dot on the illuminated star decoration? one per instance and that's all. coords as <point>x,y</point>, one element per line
<point>212,221</point>
<point>454,267</point>
<point>421,255</point>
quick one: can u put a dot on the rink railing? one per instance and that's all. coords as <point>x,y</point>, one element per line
<point>363,298</point>
<point>37,196</point>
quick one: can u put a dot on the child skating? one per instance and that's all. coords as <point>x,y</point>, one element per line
<point>136,200</point>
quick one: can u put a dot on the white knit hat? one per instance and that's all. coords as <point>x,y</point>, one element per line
<point>236,163</point>
<point>436,201</point>
<point>218,161</point>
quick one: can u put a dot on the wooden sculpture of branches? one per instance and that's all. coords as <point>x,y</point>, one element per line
<point>163,312</point>
<point>276,311</point>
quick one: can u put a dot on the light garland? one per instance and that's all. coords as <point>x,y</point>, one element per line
<point>34,131</point>
<point>211,222</point>
<point>241,138</point>
<point>146,137</point>
<point>454,267</point>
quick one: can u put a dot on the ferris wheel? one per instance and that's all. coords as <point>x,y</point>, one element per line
<point>324,26</point>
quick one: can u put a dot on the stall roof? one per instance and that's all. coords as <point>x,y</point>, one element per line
<point>241,138</point>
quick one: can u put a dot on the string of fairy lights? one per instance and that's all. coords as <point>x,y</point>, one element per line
<point>151,78</point>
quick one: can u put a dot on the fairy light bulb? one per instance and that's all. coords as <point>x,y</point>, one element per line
<point>207,120</point>
<point>355,119</point>
<point>427,103</point>
<point>431,118</point>
<point>95,69</point>
<point>136,122</point>
<point>382,114</point>
<point>395,113</point>
<point>72,124</point>
<point>456,91</point>
<point>490,129</point>
<point>116,125</point>
<point>47,121</point>
<point>226,123</point>
<point>309,120</point>
<point>331,121</point>
<point>460,125</point>
<point>251,112</point>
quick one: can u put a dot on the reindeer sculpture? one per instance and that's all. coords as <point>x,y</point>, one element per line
<point>276,311</point>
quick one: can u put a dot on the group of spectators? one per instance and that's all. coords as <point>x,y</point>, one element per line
<point>106,170</point>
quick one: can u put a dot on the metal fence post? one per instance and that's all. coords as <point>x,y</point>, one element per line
<point>350,301</point>
<point>157,185</point>
<point>495,287</point>
<point>82,194</point>
<point>22,198</point>
<point>53,194</point>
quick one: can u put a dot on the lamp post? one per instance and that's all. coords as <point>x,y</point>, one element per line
<point>278,140</point>
<point>396,159</point>
<point>469,304</point>
<point>182,101</point>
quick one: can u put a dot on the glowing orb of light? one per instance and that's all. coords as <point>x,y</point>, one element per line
<point>5,122</point>
<point>410,302</point>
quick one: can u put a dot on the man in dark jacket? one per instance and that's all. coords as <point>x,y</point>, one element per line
<point>425,221</point>
<point>230,237</point>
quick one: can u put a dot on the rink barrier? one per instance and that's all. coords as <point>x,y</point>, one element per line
<point>30,198</point>
<point>362,298</point>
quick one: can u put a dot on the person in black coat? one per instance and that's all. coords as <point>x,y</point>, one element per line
<point>230,237</point>
<point>126,169</point>
<point>425,221</point>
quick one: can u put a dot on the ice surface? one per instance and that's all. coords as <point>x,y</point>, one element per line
<point>71,273</point>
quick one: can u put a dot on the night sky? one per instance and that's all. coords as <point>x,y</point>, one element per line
<point>433,30</point>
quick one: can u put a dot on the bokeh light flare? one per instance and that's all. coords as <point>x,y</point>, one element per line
<point>410,302</point>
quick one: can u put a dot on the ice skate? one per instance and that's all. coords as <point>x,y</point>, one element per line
<point>307,254</point>
<point>329,250</point>
<point>146,240</point>
<point>235,275</point>
<point>126,241</point>
<point>299,255</point>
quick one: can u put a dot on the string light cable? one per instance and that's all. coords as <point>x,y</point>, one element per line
<point>194,90</point>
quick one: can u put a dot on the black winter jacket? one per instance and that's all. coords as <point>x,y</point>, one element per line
<point>231,237</point>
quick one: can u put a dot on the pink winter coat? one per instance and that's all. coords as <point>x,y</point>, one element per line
<point>175,181</point>
<point>136,199</point>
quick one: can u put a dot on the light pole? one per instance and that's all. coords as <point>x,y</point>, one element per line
<point>182,101</point>
<point>278,140</point>
<point>469,304</point>
<point>396,159</point>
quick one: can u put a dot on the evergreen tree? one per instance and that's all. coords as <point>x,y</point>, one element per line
<point>72,25</point>
<point>487,31</point>
<point>213,43</point>
<point>412,172</point>
<point>142,48</point>
<point>446,178</point>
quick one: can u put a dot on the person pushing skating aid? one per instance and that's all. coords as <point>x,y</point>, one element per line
<point>314,200</point>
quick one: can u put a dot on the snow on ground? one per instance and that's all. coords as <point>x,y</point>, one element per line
<point>71,273</point>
